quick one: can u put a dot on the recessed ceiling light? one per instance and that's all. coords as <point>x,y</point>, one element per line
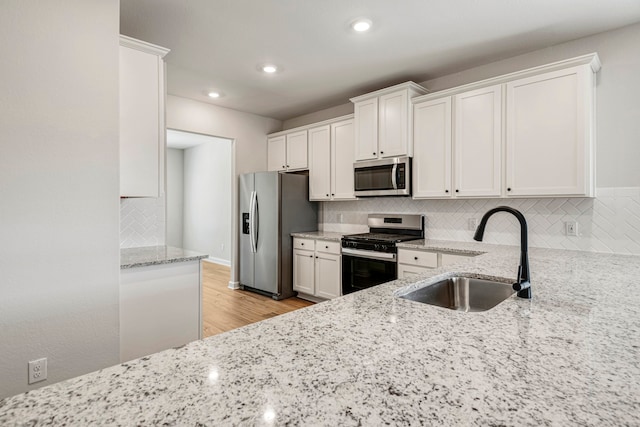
<point>214,94</point>
<point>361,25</point>
<point>269,68</point>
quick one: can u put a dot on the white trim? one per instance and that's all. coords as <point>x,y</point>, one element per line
<point>311,126</point>
<point>406,85</point>
<point>590,59</point>
<point>219,261</point>
<point>140,45</point>
<point>234,285</point>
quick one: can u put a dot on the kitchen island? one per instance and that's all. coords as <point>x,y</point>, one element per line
<point>569,356</point>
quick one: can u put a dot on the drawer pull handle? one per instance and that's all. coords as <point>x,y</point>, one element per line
<point>301,244</point>
<point>326,247</point>
<point>415,257</point>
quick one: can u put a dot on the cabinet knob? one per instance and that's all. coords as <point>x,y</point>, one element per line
<point>327,195</point>
<point>316,256</point>
<point>333,194</point>
<point>311,256</point>
<point>382,152</point>
<point>446,191</point>
<point>287,165</point>
<point>374,153</point>
<point>301,244</point>
<point>283,166</point>
<point>326,247</point>
<point>508,188</point>
<point>415,257</point>
<point>457,191</point>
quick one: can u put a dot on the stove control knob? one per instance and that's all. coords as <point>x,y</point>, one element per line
<point>376,247</point>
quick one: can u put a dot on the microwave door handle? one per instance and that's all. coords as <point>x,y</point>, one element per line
<point>394,174</point>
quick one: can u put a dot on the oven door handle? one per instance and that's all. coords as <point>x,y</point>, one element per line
<point>383,256</point>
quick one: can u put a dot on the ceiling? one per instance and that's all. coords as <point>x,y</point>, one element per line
<point>218,44</point>
<point>182,140</point>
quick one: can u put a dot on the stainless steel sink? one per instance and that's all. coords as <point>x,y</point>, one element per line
<point>463,294</point>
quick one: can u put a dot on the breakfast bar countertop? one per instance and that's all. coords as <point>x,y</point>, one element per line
<point>156,255</point>
<point>569,356</point>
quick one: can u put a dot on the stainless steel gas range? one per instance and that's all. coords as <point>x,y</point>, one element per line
<point>369,259</point>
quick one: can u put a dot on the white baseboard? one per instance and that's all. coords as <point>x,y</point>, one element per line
<point>234,285</point>
<point>220,261</point>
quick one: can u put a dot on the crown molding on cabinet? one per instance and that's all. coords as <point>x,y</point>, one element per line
<point>311,125</point>
<point>143,46</point>
<point>406,85</point>
<point>590,59</point>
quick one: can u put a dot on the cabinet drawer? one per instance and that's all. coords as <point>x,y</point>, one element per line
<point>447,259</point>
<point>406,271</point>
<point>419,258</point>
<point>300,243</point>
<point>328,247</point>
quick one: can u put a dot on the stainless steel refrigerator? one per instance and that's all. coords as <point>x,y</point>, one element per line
<point>272,206</point>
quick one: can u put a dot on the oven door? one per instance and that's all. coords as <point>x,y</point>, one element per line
<point>364,269</point>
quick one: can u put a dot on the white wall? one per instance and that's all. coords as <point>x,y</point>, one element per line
<point>249,135</point>
<point>207,199</point>
<point>175,196</point>
<point>59,258</point>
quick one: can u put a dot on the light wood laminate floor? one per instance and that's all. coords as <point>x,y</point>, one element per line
<point>224,309</point>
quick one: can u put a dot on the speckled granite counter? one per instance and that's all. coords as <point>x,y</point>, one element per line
<point>569,356</point>
<point>152,255</point>
<point>319,235</point>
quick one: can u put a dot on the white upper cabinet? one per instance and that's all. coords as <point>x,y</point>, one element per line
<point>342,158</point>
<point>277,153</point>
<point>287,151</point>
<point>432,148</point>
<point>468,164</point>
<point>297,150</point>
<point>549,134</point>
<point>331,149</point>
<point>142,127</point>
<point>366,116</point>
<point>383,122</point>
<point>320,163</point>
<point>478,142</point>
<point>524,134</point>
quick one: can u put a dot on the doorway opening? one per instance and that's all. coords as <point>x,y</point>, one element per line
<point>199,194</point>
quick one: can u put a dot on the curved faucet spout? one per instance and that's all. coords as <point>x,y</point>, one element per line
<point>523,280</point>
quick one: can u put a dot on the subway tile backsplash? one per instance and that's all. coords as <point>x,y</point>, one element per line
<point>608,223</point>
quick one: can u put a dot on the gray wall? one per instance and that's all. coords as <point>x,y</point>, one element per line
<point>175,196</point>
<point>59,258</point>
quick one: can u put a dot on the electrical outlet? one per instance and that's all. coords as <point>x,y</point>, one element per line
<point>37,370</point>
<point>473,224</point>
<point>571,228</point>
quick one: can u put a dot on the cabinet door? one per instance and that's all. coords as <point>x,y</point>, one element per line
<point>297,150</point>
<point>366,122</point>
<point>342,157</point>
<point>320,163</point>
<point>549,134</point>
<point>141,136</point>
<point>478,142</point>
<point>432,149</point>
<point>328,276</point>
<point>303,275</point>
<point>276,154</point>
<point>393,124</point>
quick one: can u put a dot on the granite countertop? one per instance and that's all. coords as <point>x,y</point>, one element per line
<point>319,235</point>
<point>153,255</point>
<point>569,356</point>
<point>463,248</point>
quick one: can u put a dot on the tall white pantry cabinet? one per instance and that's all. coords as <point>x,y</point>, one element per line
<point>525,134</point>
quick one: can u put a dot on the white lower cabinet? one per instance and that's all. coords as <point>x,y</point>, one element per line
<point>317,267</point>
<point>412,262</point>
<point>159,308</point>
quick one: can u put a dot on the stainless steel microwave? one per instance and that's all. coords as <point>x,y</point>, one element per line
<point>384,177</point>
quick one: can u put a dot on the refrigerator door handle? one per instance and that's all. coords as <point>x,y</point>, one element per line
<point>254,222</point>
